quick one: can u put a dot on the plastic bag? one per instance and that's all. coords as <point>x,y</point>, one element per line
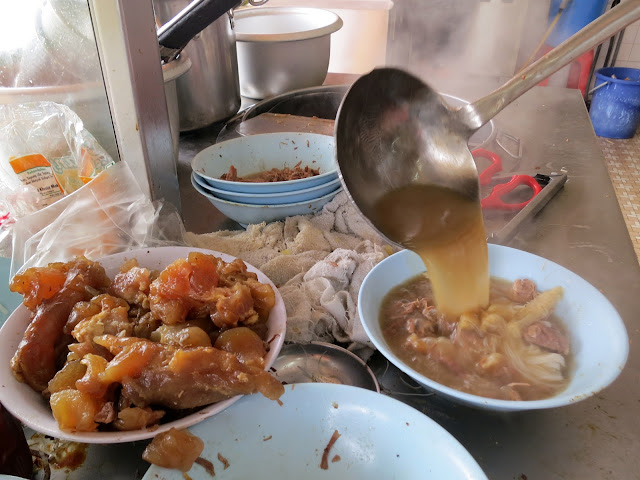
<point>109,215</point>
<point>45,145</point>
<point>45,154</point>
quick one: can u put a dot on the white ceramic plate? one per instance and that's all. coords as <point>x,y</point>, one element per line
<point>380,438</point>
<point>257,153</point>
<point>246,214</point>
<point>32,410</point>
<point>599,341</point>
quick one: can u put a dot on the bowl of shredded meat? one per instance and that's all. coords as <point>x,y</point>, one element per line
<point>268,163</point>
<point>138,343</point>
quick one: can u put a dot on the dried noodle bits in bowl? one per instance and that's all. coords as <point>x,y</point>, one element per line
<point>545,342</point>
<point>138,343</point>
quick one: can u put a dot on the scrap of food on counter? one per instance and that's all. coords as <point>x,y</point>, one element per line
<point>126,353</point>
<point>177,449</point>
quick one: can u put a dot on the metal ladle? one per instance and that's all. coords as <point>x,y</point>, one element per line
<point>392,130</point>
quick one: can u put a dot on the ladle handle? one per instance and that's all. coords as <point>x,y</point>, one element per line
<point>475,115</point>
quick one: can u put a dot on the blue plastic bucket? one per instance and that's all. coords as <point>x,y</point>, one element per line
<point>615,106</point>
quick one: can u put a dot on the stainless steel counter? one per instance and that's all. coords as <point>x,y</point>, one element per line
<point>582,229</point>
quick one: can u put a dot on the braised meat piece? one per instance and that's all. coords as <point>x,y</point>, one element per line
<point>111,319</point>
<point>39,284</point>
<point>547,335</point>
<point>35,362</point>
<point>156,374</point>
<point>132,283</point>
<point>523,290</point>
<point>185,286</point>
<point>204,285</point>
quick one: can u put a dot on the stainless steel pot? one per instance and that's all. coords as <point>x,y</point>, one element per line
<point>210,91</point>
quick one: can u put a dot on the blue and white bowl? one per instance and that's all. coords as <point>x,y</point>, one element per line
<point>293,196</point>
<point>257,153</point>
<point>246,214</point>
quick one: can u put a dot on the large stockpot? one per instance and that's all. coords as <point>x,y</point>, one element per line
<point>210,91</point>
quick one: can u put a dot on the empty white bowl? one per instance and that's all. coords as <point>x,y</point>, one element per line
<point>246,214</point>
<point>598,338</point>
<point>257,153</point>
<point>271,198</point>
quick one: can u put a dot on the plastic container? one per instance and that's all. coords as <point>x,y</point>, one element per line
<point>577,15</point>
<point>615,107</point>
<point>361,44</point>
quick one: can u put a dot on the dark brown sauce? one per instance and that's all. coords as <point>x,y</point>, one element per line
<point>445,228</point>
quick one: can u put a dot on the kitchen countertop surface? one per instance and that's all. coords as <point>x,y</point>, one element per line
<point>581,228</point>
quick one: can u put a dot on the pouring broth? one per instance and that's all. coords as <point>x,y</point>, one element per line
<point>445,228</point>
<point>458,326</point>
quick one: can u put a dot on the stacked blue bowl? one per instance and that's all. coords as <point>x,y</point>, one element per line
<point>257,202</point>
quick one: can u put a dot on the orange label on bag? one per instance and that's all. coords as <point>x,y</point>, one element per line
<point>35,170</point>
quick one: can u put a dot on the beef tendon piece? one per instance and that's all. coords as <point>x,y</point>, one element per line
<point>182,336</point>
<point>136,418</point>
<point>245,344</point>
<point>185,285</point>
<point>234,305</point>
<point>39,284</point>
<point>112,319</point>
<point>182,378</point>
<point>35,360</point>
<point>174,448</point>
<point>75,411</point>
<point>67,377</point>
<point>203,285</point>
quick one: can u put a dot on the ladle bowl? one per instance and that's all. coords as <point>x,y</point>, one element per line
<point>392,130</point>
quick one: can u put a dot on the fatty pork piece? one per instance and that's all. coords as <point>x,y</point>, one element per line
<point>132,284</point>
<point>157,374</point>
<point>51,292</point>
<point>204,285</point>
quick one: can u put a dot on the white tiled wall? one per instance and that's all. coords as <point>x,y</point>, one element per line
<point>629,53</point>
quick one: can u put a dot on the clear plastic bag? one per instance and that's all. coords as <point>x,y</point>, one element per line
<point>110,214</point>
<point>45,154</point>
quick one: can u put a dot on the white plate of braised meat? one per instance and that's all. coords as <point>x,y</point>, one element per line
<point>138,342</point>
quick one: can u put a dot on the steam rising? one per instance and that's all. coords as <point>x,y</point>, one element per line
<point>465,48</point>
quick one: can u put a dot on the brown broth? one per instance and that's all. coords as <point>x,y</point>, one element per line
<point>460,353</point>
<point>445,228</point>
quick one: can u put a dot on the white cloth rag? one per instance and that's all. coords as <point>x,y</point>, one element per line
<point>318,263</point>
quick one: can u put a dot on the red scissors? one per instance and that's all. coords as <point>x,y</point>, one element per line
<point>494,199</point>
